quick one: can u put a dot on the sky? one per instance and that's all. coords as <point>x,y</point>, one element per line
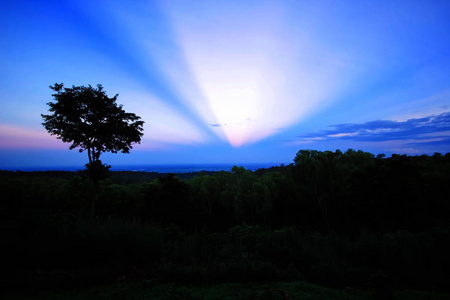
<point>231,81</point>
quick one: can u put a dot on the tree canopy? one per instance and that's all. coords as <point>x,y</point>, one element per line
<point>90,120</point>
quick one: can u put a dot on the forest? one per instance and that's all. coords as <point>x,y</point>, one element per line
<point>336,219</point>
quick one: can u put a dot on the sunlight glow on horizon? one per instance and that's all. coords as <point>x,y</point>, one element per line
<point>255,78</point>
<point>245,71</point>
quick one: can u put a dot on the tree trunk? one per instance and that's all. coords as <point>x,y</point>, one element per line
<point>89,155</point>
<point>323,207</point>
<point>95,198</point>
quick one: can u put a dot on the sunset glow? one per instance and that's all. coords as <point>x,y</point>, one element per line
<point>238,77</point>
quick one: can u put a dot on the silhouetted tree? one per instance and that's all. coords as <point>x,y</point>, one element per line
<point>90,120</point>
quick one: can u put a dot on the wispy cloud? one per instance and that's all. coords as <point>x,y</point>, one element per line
<point>430,129</point>
<point>17,137</point>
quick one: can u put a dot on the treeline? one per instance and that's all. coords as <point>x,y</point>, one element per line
<point>339,192</point>
<point>336,218</point>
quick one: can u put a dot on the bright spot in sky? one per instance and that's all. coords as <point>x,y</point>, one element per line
<point>253,76</point>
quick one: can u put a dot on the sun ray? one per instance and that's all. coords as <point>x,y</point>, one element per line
<point>253,75</point>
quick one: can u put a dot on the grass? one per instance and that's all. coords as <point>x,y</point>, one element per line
<point>226,291</point>
<point>143,290</point>
<point>421,295</point>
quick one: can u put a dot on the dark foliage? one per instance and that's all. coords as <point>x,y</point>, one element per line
<point>335,218</point>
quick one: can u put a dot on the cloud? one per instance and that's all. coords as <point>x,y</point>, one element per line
<point>430,130</point>
<point>17,137</point>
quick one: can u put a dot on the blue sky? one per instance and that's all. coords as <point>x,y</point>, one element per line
<point>231,81</point>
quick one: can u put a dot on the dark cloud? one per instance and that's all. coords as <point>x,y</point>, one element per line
<point>440,144</point>
<point>429,128</point>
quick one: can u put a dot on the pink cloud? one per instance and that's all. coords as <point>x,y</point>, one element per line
<point>16,137</point>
